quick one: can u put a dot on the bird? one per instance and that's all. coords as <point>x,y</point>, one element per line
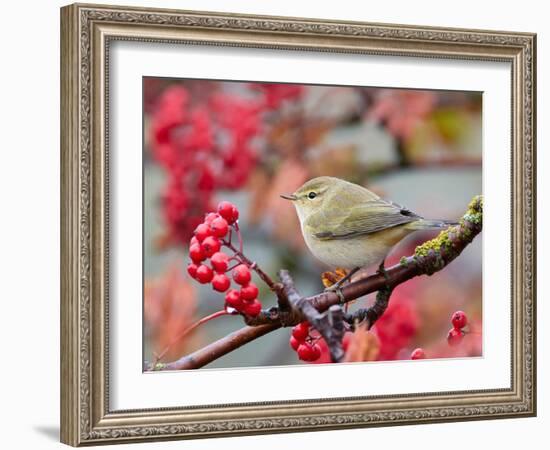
<point>347,226</point>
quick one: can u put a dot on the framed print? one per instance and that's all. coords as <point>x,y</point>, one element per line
<point>261,213</point>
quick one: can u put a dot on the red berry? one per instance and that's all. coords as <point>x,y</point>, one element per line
<point>315,352</point>
<point>197,253</point>
<point>209,218</point>
<point>459,319</point>
<point>418,353</point>
<point>233,299</point>
<point>193,241</point>
<point>225,209</point>
<point>454,337</point>
<point>202,232</point>
<point>234,215</point>
<point>306,352</point>
<point>219,262</point>
<point>211,245</point>
<point>249,291</point>
<point>192,270</point>
<point>220,282</point>
<point>252,309</point>
<point>241,274</point>
<point>219,227</point>
<point>294,343</point>
<point>301,331</point>
<point>228,211</point>
<point>303,352</point>
<point>204,274</point>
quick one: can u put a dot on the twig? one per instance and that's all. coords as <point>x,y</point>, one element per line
<point>188,330</point>
<point>264,276</point>
<point>329,324</point>
<point>372,314</point>
<point>218,348</point>
<point>277,288</point>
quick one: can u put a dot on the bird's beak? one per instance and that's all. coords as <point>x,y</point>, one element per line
<point>289,197</point>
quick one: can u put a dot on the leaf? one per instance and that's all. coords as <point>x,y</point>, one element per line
<point>363,346</point>
<point>170,304</point>
<point>330,278</point>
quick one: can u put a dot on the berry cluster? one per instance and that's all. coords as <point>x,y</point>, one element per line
<point>455,334</point>
<point>304,344</point>
<point>206,140</point>
<point>209,237</point>
<point>203,144</point>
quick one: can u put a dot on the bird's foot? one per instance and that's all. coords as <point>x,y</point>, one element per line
<point>338,290</point>
<point>333,281</point>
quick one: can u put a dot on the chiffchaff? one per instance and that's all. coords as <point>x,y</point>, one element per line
<point>348,226</point>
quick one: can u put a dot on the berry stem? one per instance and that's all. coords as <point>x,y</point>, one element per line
<point>188,330</point>
<point>240,237</point>
<point>229,269</point>
<point>264,276</point>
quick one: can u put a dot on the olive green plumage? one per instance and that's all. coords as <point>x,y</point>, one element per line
<point>346,225</point>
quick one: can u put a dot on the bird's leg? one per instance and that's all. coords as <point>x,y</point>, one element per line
<point>382,271</point>
<point>336,287</point>
<point>341,281</point>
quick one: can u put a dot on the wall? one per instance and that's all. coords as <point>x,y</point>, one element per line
<point>29,177</point>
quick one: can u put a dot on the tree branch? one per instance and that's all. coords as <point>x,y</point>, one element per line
<point>330,324</point>
<point>372,314</point>
<point>429,258</point>
<point>218,348</point>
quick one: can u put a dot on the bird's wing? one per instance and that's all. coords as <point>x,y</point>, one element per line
<point>366,218</point>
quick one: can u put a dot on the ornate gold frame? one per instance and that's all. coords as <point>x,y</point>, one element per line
<point>86,31</point>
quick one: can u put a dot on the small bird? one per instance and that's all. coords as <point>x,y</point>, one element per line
<point>346,225</point>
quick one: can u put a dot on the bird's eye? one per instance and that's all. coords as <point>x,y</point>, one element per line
<point>312,195</point>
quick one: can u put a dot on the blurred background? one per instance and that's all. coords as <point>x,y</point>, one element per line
<point>207,141</point>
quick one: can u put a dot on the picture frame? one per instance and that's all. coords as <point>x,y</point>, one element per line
<point>87,33</point>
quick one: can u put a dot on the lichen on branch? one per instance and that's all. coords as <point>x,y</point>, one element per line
<point>436,253</point>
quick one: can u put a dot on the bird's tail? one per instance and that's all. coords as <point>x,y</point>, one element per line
<point>425,224</point>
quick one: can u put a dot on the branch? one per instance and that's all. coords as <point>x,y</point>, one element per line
<point>372,314</point>
<point>330,324</point>
<point>218,348</point>
<point>429,258</point>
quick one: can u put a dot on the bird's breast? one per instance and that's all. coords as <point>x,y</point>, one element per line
<point>359,251</point>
